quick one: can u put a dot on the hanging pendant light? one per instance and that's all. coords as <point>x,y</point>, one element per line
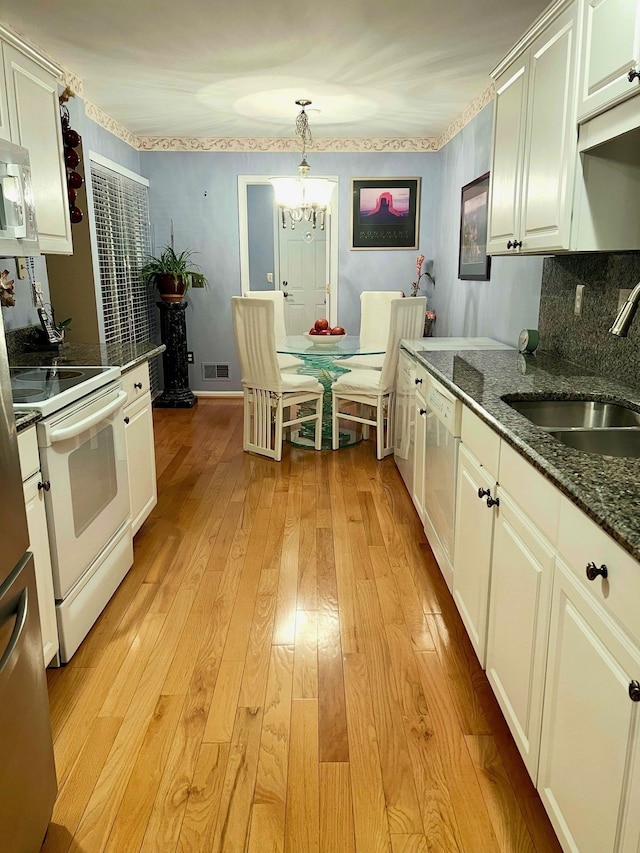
<point>303,198</point>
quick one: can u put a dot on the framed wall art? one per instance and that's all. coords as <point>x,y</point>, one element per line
<point>385,213</point>
<point>473,262</point>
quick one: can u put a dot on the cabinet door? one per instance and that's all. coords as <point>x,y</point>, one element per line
<point>521,576</point>
<point>472,550</point>
<point>420,414</point>
<point>551,139</point>
<point>141,460</point>
<point>34,117</point>
<point>5,130</point>
<point>39,547</point>
<point>610,47</point>
<point>588,770</point>
<point>508,153</point>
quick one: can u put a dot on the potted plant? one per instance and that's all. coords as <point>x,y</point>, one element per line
<point>172,273</point>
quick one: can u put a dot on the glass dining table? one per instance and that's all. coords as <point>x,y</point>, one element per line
<point>322,360</point>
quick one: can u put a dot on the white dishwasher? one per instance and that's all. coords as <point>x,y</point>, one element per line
<point>442,436</point>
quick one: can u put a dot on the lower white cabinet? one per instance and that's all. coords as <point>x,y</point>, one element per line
<point>473,545</point>
<point>420,417</point>
<point>521,577</point>
<point>589,773</point>
<point>34,488</point>
<point>141,461</point>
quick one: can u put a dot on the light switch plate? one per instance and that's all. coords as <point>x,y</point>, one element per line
<point>577,305</point>
<point>21,267</point>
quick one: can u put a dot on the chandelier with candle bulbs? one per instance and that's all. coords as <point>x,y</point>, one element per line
<point>303,198</point>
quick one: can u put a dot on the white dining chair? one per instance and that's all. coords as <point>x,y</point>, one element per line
<point>375,313</point>
<point>286,361</point>
<point>269,391</point>
<point>375,389</point>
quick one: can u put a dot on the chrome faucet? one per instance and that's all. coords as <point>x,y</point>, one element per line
<point>626,314</point>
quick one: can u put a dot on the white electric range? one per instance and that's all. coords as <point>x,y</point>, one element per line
<point>81,442</point>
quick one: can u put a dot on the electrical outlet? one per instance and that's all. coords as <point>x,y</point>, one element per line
<point>197,279</point>
<point>190,357</point>
<point>270,277</point>
<point>21,267</point>
<point>623,295</point>
<point>577,305</point>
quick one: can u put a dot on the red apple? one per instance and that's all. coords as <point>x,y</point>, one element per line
<point>338,330</point>
<point>321,324</point>
<point>313,331</point>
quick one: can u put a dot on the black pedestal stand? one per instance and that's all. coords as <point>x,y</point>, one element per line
<point>173,330</point>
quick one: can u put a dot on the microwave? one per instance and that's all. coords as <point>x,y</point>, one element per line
<point>18,230</point>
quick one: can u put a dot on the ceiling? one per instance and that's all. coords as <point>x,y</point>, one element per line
<point>372,68</point>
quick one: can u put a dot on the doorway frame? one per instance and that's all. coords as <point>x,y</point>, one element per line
<point>332,242</point>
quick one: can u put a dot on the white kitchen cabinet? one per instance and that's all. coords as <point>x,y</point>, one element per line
<point>522,564</point>
<point>34,122</point>
<point>420,418</point>
<point>535,139</point>
<point>141,461</point>
<point>5,130</point>
<point>610,48</point>
<point>589,773</point>
<point>473,546</point>
<point>34,487</point>
<point>405,414</point>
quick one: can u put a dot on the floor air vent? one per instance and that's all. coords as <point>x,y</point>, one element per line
<point>215,371</point>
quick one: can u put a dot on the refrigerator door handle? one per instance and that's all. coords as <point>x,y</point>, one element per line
<point>13,629</point>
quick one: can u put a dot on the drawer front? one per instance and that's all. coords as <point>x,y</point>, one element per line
<point>536,496</point>
<point>481,440</point>
<point>136,382</point>
<point>28,452</point>
<point>422,380</point>
<point>581,542</point>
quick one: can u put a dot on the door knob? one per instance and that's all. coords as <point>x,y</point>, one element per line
<point>46,485</point>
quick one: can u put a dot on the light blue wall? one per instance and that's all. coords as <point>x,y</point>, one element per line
<point>510,300</point>
<point>260,228</point>
<point>199,192</point>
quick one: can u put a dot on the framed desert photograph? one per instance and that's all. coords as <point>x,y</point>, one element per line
<point>385,213</point>
<point>473,262</point>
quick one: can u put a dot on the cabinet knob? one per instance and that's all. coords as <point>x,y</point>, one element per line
<point>44,485</point>
<point>482,493</point>
<point>593,571</point>
<point>514,244</point>
<point>126,420</point>
<point>492,501</point>
<point>633,75</point>
<point>634,691</point>
<point>422,411</point>
<point>418,381</point>
<point>138,385</point>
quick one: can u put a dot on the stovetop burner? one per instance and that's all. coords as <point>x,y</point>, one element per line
<point>49,389</point>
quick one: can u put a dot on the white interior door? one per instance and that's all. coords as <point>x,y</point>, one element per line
<point>303,276</point>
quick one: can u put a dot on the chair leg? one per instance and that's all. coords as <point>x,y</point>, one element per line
<point>380,429</point>
<point>318,423</point>
<point>247,421</point>
<point>278,432</point>
<point>335,438</point>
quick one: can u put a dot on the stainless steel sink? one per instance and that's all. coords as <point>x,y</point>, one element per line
<point>603,442</point>
<point>580,414</point>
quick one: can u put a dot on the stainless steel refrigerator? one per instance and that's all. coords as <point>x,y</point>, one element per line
<point>27,770</point>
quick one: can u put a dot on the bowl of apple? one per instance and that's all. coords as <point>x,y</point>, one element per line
<point>322,334</point>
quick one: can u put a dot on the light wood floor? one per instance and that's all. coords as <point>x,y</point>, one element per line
<point>283,669</point>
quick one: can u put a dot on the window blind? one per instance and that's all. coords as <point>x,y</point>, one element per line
<point>121,216</point>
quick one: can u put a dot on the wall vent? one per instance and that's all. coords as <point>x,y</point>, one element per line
<point>215,371</point>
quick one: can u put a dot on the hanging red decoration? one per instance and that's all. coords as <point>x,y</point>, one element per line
<point>71,140</point>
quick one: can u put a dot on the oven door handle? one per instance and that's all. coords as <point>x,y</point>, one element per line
<point>65,433</point>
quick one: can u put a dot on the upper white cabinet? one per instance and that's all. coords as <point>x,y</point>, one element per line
<point>31,92</point>
<point>610,50</point>
<point>535,142</point>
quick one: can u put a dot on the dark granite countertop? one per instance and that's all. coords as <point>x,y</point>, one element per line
<point>26,419</point>
<point>125,356</point>
<point>606,488</point>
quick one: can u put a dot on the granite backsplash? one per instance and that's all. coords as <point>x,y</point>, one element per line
<point>585,339</point>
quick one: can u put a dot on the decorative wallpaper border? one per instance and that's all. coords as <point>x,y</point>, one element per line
<point>476,106</point>
<point>105,121</point>
<point>212,143</point>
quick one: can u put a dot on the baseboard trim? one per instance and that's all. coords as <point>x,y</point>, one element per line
<point>229,394</point>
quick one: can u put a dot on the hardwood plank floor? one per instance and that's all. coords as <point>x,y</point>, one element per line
<point>283,670</point>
